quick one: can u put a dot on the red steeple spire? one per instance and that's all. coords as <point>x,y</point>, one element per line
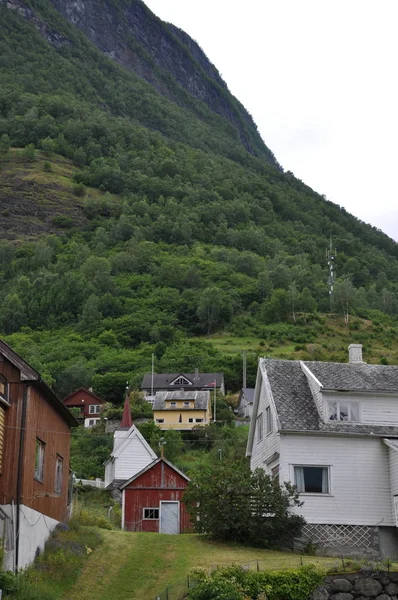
<point>127,420</point>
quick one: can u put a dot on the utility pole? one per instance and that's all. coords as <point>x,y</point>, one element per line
<point>215,398</point>
<point>153,369</point>
<point>330,255</point>
<point>244,368</point>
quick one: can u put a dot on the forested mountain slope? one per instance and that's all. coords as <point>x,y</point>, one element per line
<point>169,216</point>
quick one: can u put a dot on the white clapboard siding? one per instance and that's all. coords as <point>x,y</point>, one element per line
<point>360,480</point>
<point>263,449</point>
<point>109,472</point>
<point>133,457</point>
<point>374,409</point>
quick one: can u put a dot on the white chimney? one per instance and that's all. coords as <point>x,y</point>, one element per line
<point>355,353</point>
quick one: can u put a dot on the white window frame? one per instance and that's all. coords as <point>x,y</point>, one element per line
<point>39,459</point>
<point>173,403</point>
<point>187,403</point>
<point>159,420</point>
<point>349,404</point>
<point>268,421</point>
<point>318,494</point>
<point>150,518</point>
<point>59,472</point>
<point>260,427</point>
<point>181,380</point>
<point>94,409</point>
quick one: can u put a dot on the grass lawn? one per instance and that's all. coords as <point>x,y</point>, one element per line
<point>138,566</point>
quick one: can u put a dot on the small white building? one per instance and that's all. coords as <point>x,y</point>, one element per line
<point>331,429</point>
<point>245,403</point>
<point>131,453</point>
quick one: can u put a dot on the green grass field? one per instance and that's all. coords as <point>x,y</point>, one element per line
<point>138,566</point>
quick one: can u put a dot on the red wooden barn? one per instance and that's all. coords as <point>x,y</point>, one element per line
<point>152,499</point>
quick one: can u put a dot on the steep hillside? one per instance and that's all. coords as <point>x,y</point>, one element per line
<point>155,216</point>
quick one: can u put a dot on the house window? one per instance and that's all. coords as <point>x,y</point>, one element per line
<point>268,420</point>
<point>173,403</point>
<point>191,420</point>
<point>187,403</point>
<point>151,513</point>
<point>92,422</point>
<point>94,409</point>
<point>259,427</point>
<point>159,420</point>
<point>343,410</point>
<point>199,420</point>
<point>3,389</point>
<point>59,466</point>
<point>39,460</point>
<point>312,480</point>
<point>181,381</point>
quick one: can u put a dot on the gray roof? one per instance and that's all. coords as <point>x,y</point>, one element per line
<point>248,393</point>
<point>355,376</point>
<point>163,381</point>
<point>201,399</point>
<point>296,406</point>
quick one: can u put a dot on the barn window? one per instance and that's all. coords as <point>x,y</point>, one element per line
<point>59,466</point>
<point>151,513</point>
<point>312,480</point>
<point>94,409</point>
<point>39,460</point>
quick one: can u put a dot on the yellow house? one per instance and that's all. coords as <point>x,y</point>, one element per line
<point>182,410</point>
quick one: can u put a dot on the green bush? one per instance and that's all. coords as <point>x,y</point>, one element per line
<point>237,583</point>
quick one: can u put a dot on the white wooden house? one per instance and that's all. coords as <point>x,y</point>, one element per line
<point>131,453</point>
<point>331,429</point>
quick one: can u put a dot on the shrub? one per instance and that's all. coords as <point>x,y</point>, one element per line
<point>47,167</point>
<point>79,190</point>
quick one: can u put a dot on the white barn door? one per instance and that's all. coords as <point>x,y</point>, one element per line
<point>169,517</point>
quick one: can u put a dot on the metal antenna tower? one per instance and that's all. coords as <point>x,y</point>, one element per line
<point>331,255</point>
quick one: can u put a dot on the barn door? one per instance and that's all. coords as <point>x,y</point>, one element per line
<point>169,517</point>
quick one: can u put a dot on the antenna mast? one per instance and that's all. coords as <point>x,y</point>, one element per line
<point>331,255</point>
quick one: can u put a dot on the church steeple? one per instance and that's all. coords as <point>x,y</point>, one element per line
<point>127,419</point>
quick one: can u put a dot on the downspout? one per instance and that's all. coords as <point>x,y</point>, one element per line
<point>20,472</point>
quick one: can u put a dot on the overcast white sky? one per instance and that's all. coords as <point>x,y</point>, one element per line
<point>320,80</point>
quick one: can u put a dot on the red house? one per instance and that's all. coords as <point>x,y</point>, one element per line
<point>152,499</point>
<point>90,405</point>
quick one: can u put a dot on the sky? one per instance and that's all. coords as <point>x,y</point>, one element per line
<point>319,78</point>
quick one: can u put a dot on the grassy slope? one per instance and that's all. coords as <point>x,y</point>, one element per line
<point>31,198</point>
<point>138,566</point>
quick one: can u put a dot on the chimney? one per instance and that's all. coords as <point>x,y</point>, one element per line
<point>90,389</point>
<point>355,354</point>
<point>196,378</point>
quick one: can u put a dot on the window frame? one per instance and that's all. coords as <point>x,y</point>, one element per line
<point>159,420</point>
<point>40,451</point>
<point>96,407</point>
<point>268,421</point>
<point>154,509</point>
<point>312,466</point>
<point>349,403</point>
<point>59,474</point>
<point>260,427</point>
<point>5,396</point>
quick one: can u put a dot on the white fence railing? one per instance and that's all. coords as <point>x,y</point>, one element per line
<point>98,483</point>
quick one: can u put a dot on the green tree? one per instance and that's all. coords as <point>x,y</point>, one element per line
<point>29,152</point>
<point>215,308</point>
<point>5,143</point>
<point>231,503</point>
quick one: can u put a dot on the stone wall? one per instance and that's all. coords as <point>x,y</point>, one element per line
<point>358,586</point>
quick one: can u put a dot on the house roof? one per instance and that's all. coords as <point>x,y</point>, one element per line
<point>86,391</point>
<point>162,381</point>
<point>201,399</point>
<point>130,434</point>
<point>248,393</point>
<point>149,467</point>
<point>32,377</point>
<point>355,376</point>
<point>294,402</point>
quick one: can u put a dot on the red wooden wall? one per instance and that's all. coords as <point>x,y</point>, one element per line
<point>160,482</point>
<point>83,399</point>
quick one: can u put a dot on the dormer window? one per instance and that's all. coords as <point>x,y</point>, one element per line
<point>173,404</point>
<point>343,410</point>
<point>181,381</point>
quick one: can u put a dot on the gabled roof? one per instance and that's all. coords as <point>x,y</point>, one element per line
<point>164,381</point>
<point>248,393</point>
<point>32,377</point>
<point>201,399</point>
<point>132,433</point>
<point>294,402</point>
<point>149,467</point>
<point>86,391</point>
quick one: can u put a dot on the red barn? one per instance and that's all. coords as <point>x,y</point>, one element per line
<point>152,499</point>
<point>89,404</point>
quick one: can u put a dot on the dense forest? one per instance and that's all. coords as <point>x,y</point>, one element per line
<point>179,232</point>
